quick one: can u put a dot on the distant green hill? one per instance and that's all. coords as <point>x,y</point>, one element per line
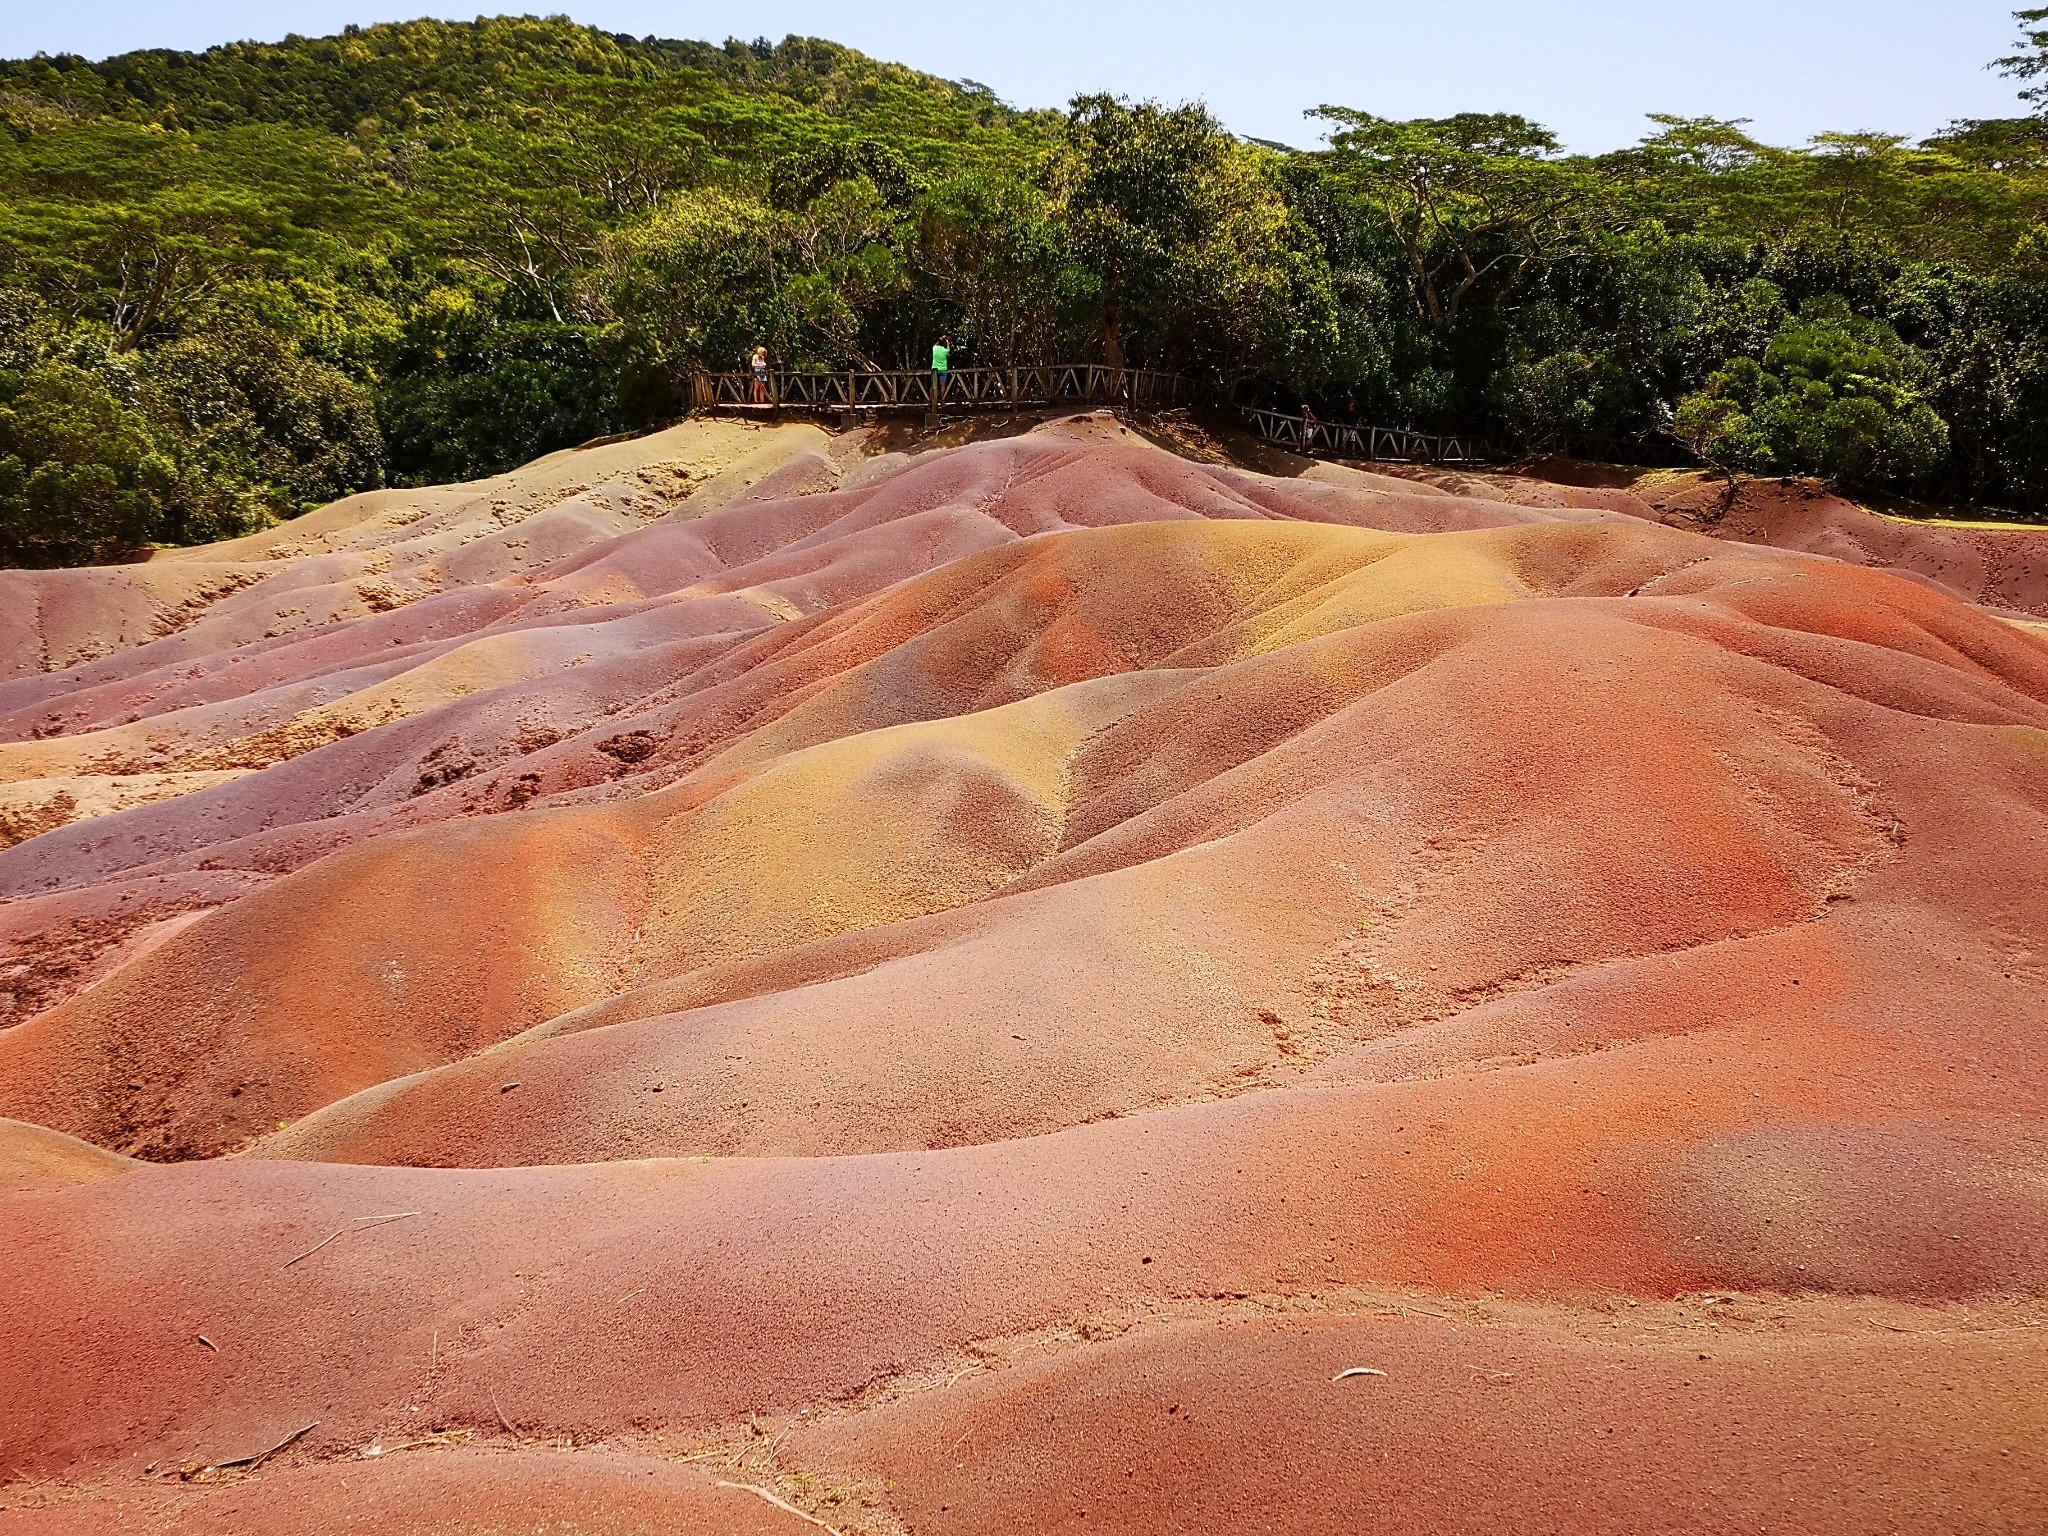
<point>240,282</point>
<point>414,76</point>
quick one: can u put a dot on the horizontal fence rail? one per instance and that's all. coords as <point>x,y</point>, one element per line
<point>1388,445</point>
<point>1061,384</point>
<point>858,389</point>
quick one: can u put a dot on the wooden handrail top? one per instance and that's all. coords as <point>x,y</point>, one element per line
<point>895,388</point>
<point>1084,384</point>
<point>1361,441</point>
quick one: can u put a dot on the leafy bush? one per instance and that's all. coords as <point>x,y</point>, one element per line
<point>1830,398</point>
<point>85,477</point>
<point>208,436</point>
<point>472,388</point>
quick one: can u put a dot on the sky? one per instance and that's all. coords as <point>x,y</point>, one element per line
<point>1588,69</point>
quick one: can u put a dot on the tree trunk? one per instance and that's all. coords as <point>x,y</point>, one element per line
<point>1112,337</point>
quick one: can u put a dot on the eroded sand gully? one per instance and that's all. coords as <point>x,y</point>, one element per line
<point>732,983</point>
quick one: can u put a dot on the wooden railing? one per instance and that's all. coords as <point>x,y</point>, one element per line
<point>857,389</point>
<point>1389,445</point>
<point>1076,384</point>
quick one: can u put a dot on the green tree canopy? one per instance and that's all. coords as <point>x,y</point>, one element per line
<point>2031,63</point>
<point>1830,398</point>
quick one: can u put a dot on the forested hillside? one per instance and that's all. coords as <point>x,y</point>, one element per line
<point>240,283</point>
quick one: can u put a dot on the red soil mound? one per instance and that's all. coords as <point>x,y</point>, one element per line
<point>957,993</point>
<point>2003,566</point>
<point>1721,1418</point>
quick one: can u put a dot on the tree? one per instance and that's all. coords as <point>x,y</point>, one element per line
<point>698,286</point>
<point>1476,201</point>
<point>2032,62</point>
<point>1131,185</point>
<point>1195,257</point>
<point>1830,398</point>
<point>86,477</point>
<point>242,407</point>
<point>476,382</point>
<point>991,244</point>
<point>1716,426</point>
<point>846,253</point>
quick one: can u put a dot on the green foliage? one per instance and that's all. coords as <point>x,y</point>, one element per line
<point>210,435</point>
<point>700,282</point>
<point>996,253</point>
<point>1476,201</point>
<point>2032,62</point>
<point>80,477</point>
<point>475,386</point>
<point>85,476</point>
<point>1194,257</point>
<point>1829,398</point>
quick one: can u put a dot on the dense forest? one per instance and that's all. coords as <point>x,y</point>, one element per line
<point>239,283</point>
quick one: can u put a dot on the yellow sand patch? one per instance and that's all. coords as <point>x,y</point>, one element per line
<point>777,606</point>
<point>35,1158</point>
<point>1405,575</point>
<point>478,667</point>
<point>1326,473</point>
<point>871,829</point>
<point>153,747</point>
<point>713,459</point>
<point>1987,525</point>
<point>31,807</point>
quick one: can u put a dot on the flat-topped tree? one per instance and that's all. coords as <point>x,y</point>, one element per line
<point>2031,63</point>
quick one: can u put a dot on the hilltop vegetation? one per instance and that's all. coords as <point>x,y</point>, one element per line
<point>238,283</point>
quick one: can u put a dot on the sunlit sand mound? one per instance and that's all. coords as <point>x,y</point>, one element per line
<point>2002,565</point>
<point>1039,985</point>
<point>384,549</point>
<point>34,1158</point>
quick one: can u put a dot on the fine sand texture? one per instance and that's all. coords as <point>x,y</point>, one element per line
<point>741,982</point>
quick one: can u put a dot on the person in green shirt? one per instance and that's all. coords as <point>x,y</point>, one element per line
<point>942,352</point>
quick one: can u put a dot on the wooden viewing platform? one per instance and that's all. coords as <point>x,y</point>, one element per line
<point>860,389</point>
<point>854,390</point>
<point>1389,445</point>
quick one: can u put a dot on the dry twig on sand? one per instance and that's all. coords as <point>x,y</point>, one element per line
<point>712,1454</point>
<point>510,1429</point>
<point>782,1504</point>
<point>361,1223</point>
<point>258,1458</point>
<point>1359,1370</point>
<point>1403,1306</point>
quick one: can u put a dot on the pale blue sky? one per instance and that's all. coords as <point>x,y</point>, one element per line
<point>1589,69</point>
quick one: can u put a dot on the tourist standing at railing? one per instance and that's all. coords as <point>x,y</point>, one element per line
<point>1309,427</point>
<point>1350,417</point>
<point>760,366</point>
<point>942,358</point>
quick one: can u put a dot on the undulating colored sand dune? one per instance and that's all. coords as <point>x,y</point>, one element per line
<point>731,981</point>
